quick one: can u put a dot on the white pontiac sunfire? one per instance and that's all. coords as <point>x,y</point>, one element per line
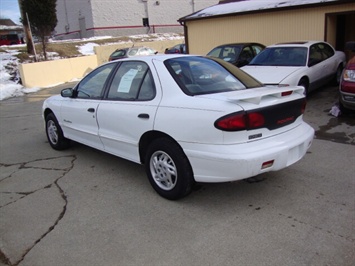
<point>186,118</point>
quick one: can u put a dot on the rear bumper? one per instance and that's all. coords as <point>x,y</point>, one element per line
<point>223,163</point>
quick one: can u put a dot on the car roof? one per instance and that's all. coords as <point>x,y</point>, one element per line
<point>239,43</point>
<point>160,57</point>
<point>132,47</point>
<point>306,44</point>
<point>157,57</point>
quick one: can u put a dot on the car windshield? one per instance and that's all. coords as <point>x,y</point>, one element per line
<point>199,75</point>
<point>228,53</point>
<point>281,56</point>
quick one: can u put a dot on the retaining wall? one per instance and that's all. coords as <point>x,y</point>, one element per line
<point>54,72</point>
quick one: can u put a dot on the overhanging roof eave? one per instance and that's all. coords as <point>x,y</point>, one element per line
<point>190,17</point>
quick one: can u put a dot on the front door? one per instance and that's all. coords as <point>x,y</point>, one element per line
<point>79,114</point>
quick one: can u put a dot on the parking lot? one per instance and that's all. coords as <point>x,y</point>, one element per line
<point>85,207</point>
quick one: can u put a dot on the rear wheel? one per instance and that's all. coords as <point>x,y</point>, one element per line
<point>55,134</point>
<point>168,169</point>
<point>304,83</point>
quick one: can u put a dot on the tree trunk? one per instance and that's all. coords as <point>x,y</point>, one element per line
<point>29,42</point>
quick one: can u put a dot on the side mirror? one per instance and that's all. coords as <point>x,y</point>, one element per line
<point>67,93</point>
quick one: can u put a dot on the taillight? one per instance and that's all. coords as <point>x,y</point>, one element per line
<point>255,120</point>
<point>240,121</point>
<point>286,93</point>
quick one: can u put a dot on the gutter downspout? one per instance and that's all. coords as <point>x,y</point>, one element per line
<point>182,23</point>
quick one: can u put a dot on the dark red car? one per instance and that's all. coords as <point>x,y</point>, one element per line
<point>347,84</point>
<point>10,39</point>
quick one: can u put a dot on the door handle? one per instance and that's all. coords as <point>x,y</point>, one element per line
<point>145,116</point>
<point>91,110</point>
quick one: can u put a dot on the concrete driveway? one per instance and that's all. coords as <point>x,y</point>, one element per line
<point>85,207</point>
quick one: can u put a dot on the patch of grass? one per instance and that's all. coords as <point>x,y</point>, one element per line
<point>64,50</point>
<point>23,57</point>
<point>70,49</point>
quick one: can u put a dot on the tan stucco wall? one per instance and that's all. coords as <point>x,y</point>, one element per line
<point>266,28</point>
<point>103,52</point>
<point>49,73</point>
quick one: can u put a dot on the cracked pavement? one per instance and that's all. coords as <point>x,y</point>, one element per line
<point>85,207</point>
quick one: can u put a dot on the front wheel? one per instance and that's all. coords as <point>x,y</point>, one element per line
<point>55,134</point>
<point>168,169</point>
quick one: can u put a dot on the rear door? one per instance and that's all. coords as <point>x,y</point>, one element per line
<point>129,109</point>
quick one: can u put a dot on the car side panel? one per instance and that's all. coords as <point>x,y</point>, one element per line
<point>78,121</point>
<point>121,125</point>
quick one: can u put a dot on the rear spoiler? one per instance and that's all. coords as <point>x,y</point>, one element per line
<point>255,95</point>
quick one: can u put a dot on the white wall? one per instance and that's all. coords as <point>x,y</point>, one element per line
<point>123,17</point>
<point>68,14</point>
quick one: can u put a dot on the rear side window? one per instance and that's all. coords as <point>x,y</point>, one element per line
<point>326,50</point>
<point>199,75</point>
<point>132,81</point>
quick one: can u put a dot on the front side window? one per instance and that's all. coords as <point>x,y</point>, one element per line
<point>315,55</point>
<point>93,84</point>
<point>246,55</point>
<point>119,53</point>
<point>133,51</point>
<point>132,81</point>
<point>199,75</point>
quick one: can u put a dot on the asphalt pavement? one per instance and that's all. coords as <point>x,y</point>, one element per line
<point>84,207</point>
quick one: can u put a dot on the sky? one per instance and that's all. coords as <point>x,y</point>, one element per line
<point>10,9</point>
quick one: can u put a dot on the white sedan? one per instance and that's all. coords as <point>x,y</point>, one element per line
<point>309,64</point>
<point>186,118</point>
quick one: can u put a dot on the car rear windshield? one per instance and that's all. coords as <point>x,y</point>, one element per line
<point>202,75</point>
<point>281,56</point>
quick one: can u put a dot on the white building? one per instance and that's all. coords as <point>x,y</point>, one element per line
<point>88,18</point>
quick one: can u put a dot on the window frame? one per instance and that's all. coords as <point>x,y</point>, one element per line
<point>136,98</point>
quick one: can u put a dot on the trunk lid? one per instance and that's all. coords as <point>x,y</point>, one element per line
<point>281,110</point>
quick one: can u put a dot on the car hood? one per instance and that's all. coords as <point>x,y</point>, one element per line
<point>269,74</point>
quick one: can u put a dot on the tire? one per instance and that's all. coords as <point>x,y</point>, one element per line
<point>55,134</point>
<point>338,75</point>
<point>343,110</point>
<point>304,83</point>
<point>168,169</point>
